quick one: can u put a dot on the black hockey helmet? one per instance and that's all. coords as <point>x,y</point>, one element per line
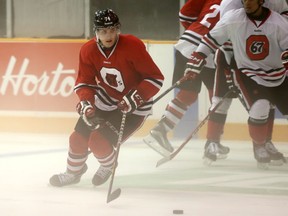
<point>105,18</point>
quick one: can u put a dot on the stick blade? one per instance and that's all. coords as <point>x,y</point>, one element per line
<point>164,160</point>
<point>114,195</point>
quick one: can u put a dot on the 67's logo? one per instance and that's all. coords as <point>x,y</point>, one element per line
<point>257,47</point>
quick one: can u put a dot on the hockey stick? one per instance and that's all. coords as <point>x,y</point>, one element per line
<point>180,81</point>
<point>195,131</point>
<point>116,193</point>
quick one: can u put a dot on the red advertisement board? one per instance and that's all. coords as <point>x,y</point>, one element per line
<point>38,75</point>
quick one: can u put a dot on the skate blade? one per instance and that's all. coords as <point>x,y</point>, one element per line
<point>221,156</point>
<point>152,143</point>
<point>207,161</point>
<point>276,163</point>
<point>263,166</point>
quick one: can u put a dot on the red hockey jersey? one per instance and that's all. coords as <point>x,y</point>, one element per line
<point>198,17</point>
<point>105,79</point>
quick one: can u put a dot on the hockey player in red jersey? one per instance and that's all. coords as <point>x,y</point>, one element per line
<point>258,36</point>
<point>115,71</point>
<point>197,17</point>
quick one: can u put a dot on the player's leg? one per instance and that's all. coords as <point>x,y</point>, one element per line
<point>213,149</point>
<point>175,110</point>
<point>77,156</point>
<point>102,142</point>
<point>258,130</point>
<point>258,103</point>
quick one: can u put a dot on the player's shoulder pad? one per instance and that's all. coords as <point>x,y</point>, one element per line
<point>279,18</point>
<point>234,15</point>
<point>131,39</point>
<point>90,44</point>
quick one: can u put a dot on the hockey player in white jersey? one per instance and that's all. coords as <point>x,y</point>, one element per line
<point>217,119</point>
<point>258,36</point>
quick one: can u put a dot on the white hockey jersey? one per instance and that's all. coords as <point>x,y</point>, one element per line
<point>279,6</point>
<point>257,46</point>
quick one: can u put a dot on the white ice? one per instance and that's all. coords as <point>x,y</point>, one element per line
<point>229,187</point>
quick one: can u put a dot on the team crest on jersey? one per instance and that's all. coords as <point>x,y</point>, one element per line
<point>113,78</point>
<point>257,47</point>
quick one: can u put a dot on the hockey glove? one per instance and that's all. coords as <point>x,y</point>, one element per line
<point>88,113</point>
<point>194,65</point>
<point>130,102</point>
<point>284,58</point>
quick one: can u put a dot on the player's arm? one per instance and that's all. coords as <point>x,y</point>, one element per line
<point>283,41</point>
<point>284,58</point>
<point>142,93</point>
<point>190,12</point>
<point>85,82</point>
<point>152,80</point>
<point>283,8</point>
<point>209,44</point>
<point>85,89</point>
<point>198,58</point>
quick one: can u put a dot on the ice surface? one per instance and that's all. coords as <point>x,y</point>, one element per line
<point>229,187</point>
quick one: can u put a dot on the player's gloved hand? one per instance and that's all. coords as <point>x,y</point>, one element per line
<point>130,102</point>
<point>284,58</point>
<point>88,113</point>
<point>194,65</point>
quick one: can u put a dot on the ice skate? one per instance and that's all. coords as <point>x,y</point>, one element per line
<point>214,151</point>
<point>102,175</point>
<point>223,151</point>
<point>66,178</point>
<point>157,140</point>
<point>277,158</point>
<point>262,156</point>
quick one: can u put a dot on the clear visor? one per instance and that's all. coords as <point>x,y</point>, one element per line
<point>110,30</point>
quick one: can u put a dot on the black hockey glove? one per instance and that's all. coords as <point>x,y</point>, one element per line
<point>88,113</point>
<point>194,65</point>
<point>130,102</point>
<point>284,58</point>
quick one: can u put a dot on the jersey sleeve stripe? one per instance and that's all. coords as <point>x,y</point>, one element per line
<point>155,82</point>
<point>191,37</point>
<point>210,42</point>
<point>188,19</point>
<point>285,14</point>
<point>104,97</point>
<point>83,85</point>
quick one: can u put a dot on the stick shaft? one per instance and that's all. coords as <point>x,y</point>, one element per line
<point>120,135</point>
<point>180,81</point>
<point>195,131</point>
